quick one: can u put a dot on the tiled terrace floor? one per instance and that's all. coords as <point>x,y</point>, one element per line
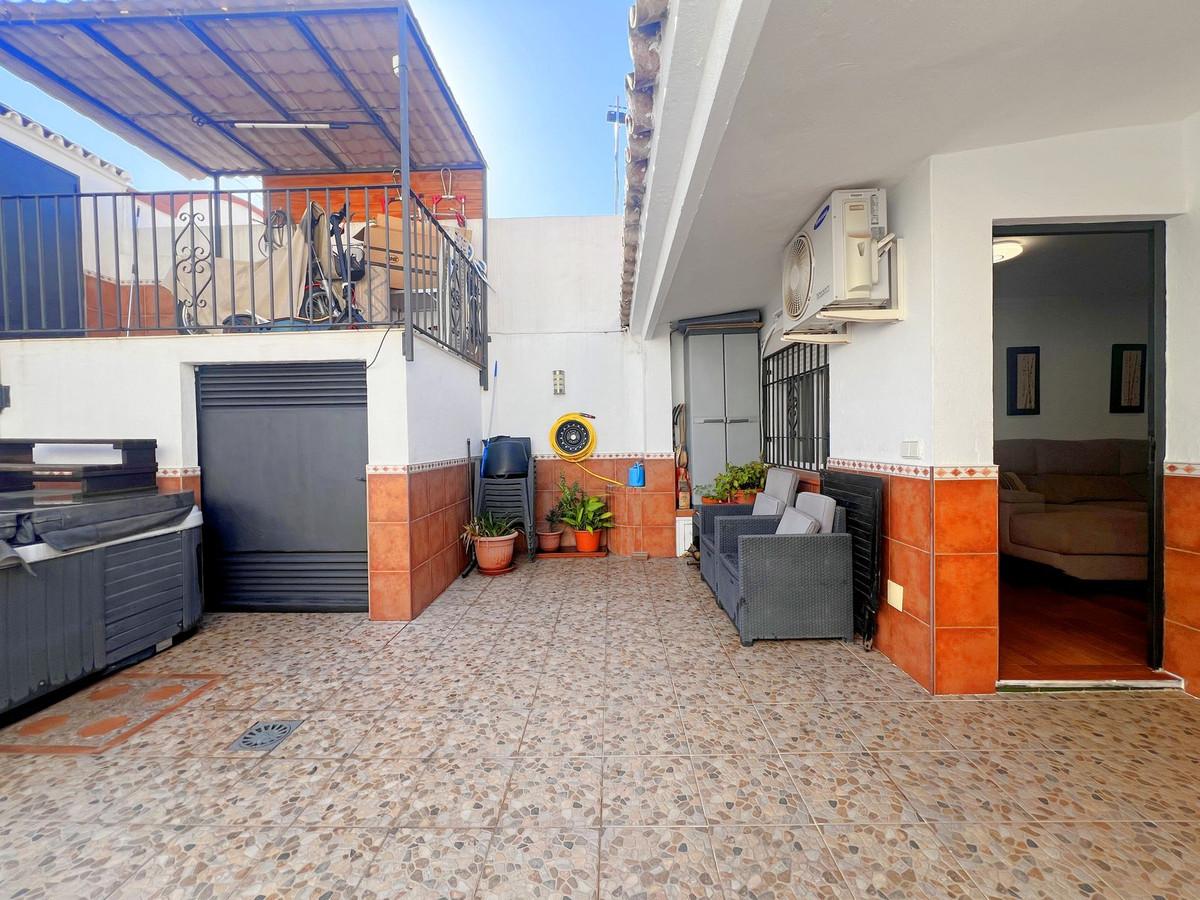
<point>594,728</point>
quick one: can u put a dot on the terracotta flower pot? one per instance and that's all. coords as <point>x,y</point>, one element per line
<point>549,541</point>
<point>494,554</point>
<point>747,496</point>
<point>587,541</point>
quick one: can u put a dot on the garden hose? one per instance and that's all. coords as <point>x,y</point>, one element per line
<point>574,439</point>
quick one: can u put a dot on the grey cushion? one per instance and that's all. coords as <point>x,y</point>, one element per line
<point>796,522</point>
<point>781,483</point>
<point>766,505</point>
<point>819,507</point>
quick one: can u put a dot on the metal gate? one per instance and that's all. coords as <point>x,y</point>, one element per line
<point>283,455</point>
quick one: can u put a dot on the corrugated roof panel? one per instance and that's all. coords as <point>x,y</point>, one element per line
<point>257,37</point>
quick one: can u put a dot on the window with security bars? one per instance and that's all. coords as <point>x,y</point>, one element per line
<point>795,396</point>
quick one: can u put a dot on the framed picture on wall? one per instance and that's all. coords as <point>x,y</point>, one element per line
<point>1127,385</point>
<point>1024,381</point>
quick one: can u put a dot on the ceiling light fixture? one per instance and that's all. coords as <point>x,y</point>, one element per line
<point>313,126</point>
<point>1003,251</point>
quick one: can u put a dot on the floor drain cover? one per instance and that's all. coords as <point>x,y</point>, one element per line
<point>265,735</point>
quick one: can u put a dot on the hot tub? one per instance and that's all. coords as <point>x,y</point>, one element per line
<point>91,583</point>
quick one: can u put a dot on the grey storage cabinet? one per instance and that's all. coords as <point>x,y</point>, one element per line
<point>722,385</point>
<point>79,613</point>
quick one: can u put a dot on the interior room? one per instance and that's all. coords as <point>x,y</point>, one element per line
<point>1073,357</point>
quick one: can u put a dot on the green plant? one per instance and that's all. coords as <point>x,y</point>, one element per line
<point>720,490</point>
<point>750,476</point>
<point>554,517</point>
<point>569,496</point>
<point>487,525</point>
<point>590,514</point>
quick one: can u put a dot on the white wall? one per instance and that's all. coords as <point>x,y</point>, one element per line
<point>145,386</point>
<point>880,383</point>
<point>1119,174</point>
<point>443,405</point>
<point>1076,335</point>
<point>555,306</point>
<point>1183,309</point>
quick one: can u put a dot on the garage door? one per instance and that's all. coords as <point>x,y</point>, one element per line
<point>283,455</point>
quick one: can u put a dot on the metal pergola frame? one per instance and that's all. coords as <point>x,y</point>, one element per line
<point>194,22</point>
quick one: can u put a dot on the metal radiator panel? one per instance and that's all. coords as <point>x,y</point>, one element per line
<point>862,498</point>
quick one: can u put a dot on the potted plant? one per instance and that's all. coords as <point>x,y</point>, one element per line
<point>493,537</point>
<point>749,479</point>
<point>714,493</point>
<point>587,516</point>
<point>550,539</point>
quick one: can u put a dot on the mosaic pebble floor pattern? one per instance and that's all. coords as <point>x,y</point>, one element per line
<point>595,729</point>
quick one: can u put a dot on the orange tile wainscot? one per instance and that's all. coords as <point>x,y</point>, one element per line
<point>413,522</point>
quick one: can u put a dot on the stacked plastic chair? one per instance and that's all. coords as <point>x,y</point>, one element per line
<point>504,483</point>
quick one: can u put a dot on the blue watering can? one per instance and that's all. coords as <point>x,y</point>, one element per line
<point>637,475</point>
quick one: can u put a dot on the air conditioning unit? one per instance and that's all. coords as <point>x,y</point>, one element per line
<point>838,269</point>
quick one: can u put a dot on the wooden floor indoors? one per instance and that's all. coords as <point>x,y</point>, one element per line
<point>1050,630</point>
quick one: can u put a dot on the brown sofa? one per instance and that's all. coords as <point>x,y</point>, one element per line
<point>1079,506</point>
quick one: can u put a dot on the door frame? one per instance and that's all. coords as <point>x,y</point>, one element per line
<point>1156,395</point>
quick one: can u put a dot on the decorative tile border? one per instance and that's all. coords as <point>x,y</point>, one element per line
<point>1185,469</point>
<point>629,455</point>
<point>878,468</point>
<point>179,472</point>
<point>966,473</point>
<point>410,468</point>
<point>941,473</point>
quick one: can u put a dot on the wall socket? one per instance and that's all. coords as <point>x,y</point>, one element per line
<point>895,595</point>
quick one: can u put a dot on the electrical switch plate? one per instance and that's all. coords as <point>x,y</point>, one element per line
<point>560,382</point>
<point>895,595</point>
<point>910,449</point>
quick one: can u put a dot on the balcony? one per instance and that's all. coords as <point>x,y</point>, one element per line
<point>341,109</point>
<point>290,259</point>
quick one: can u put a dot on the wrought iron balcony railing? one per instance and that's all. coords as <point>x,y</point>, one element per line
<point>262,260</point>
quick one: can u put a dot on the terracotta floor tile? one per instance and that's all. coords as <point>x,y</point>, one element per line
<point>596,729</point>
<point>842,788</point>
<point>429,863</point>
<point>650,790</point>
<point>1021,860</point>
<point>897,861</point>
<point>948,787</point>
<point>536,863</point>
<point>658,862</point>
<point>776,861</point>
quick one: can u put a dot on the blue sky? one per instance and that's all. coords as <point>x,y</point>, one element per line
<point>534,78</point>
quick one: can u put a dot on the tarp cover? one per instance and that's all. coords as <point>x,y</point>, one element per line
<point>75,526</point>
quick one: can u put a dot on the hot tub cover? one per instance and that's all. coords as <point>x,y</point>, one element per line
<point>67,521</point>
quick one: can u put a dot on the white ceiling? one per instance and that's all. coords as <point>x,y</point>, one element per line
<point>1104,266</point>
<point>844,93</point>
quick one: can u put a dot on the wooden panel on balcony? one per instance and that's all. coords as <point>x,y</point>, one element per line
<point>426,185</point>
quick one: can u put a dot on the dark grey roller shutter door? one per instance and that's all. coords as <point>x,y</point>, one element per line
<point>283,455</point>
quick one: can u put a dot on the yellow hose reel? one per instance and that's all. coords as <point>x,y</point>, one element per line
<point>573,438</point>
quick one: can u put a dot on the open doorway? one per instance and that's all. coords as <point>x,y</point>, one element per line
<point>1078,361</point>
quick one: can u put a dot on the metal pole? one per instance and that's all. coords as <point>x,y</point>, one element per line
<point>483,293</point>
<point>406,184</point>
<point>616,164</point>
<point>216,224</point>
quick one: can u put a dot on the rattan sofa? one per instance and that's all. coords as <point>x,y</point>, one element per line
<point>785,585</point>
<point>778,493</point>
